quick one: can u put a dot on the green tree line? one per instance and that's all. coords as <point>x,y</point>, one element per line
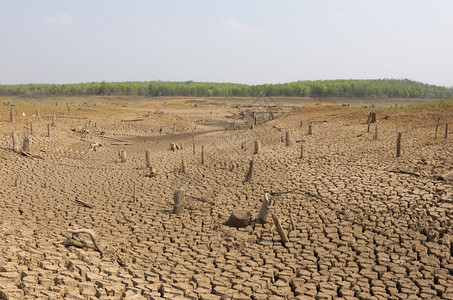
<point>369,88</point>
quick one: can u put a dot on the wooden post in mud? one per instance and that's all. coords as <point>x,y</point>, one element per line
<point>182,145</point>
<point>193,148</point>
<point>202,154</point>
<point>15,143</point>
<point>398,145</point>
<point>446,130</point>
<point>26,144</point>
<point>310,132</point>
<point>123,156</point>
<point>280,231</point>
<point>301,124</point>
<point>248,178</point>
<point>302,149</point>
<point>183,166</point>
<point>31,128</point>
<point>148,158</point>
<point>173,147</point>
<point>257,147</point>
<point>264,210</point>
<point>135,192</point>
<point>48,130</point>
<point>178,197</point>
<point>375,132</point>
<point>437,127</point>
<point>11,116</point>
<point>53,119</point>
<point>289,139</point>
<point>37,113</point>
<point>368,130</point>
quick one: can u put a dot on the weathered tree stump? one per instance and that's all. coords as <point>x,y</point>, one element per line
<point>289,139</point>
<point>26,144</point>
<point>48,130</point>
<point>148,158</point>
<point>264,210</point>
<point>375,132</point>
<point>280,231</point>
<point>123,156</point>
<point>257,147</point>
<point>31,127</point>
<point>183,166</point>
<point>310,130</point>
<point>398,145</point>
<point>248,178</point>
<point>302,149</point>
<point>437,127</point>
<point>15,143</point>
<point>239,219</point>
<point>202,154</point>
<point>446,131</point>
<point>178,197</point>
<point>182,145</point>
<point>11,116</point>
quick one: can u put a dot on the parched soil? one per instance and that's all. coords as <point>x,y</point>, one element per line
<point>367,224</point>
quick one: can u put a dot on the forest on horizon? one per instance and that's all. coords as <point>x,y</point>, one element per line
<point>365,88</point>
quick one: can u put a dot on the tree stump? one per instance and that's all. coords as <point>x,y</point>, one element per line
<point>289,139</point>
<point>11,116</point>
<point>178,197</point>
<point>310,131</point>
<point>48,130</point>
<point>15,143</point>
<point>257,147</point>
<point>248,178</point>
<point>264,210</point>
<point>31,128</point>
<point>148,158</point>
<point>123,156</point>
<point>239,219</point>
<point>184,166</point>
<point>202,154</point>
<point>26,144</point>
<point>398,145</point>
<point>173,147</point>
<point>446,131</point>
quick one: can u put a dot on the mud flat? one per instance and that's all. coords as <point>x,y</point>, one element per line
<point>361,222</point>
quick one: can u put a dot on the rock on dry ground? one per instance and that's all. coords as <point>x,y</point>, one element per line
<point>368,225</point>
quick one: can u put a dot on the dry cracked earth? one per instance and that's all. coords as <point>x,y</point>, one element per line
<point>367,224</point>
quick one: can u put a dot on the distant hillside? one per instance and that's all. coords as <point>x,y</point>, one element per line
<point>371,88</point>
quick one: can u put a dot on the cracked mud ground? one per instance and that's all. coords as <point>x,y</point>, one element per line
<point>368,225</point>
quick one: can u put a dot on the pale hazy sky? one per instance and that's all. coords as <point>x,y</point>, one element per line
<point>244,41</point>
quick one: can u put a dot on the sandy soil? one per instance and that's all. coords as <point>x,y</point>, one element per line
<point>367,224</point>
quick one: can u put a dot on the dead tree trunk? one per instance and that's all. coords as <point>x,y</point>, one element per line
<point>248,178</point>
<point>264,210</point>
<point>123,156</point>
<point>183,166</point>
<point>257,147</point>
<point>371,118</point>
<point>398,145</point>
<point>26,144</point>
<point>280,231</point>
<point>289,139</point>
<point>148,158</point>
<point>178,197</point>
<point>11,116</point>
<point>15,143</point>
